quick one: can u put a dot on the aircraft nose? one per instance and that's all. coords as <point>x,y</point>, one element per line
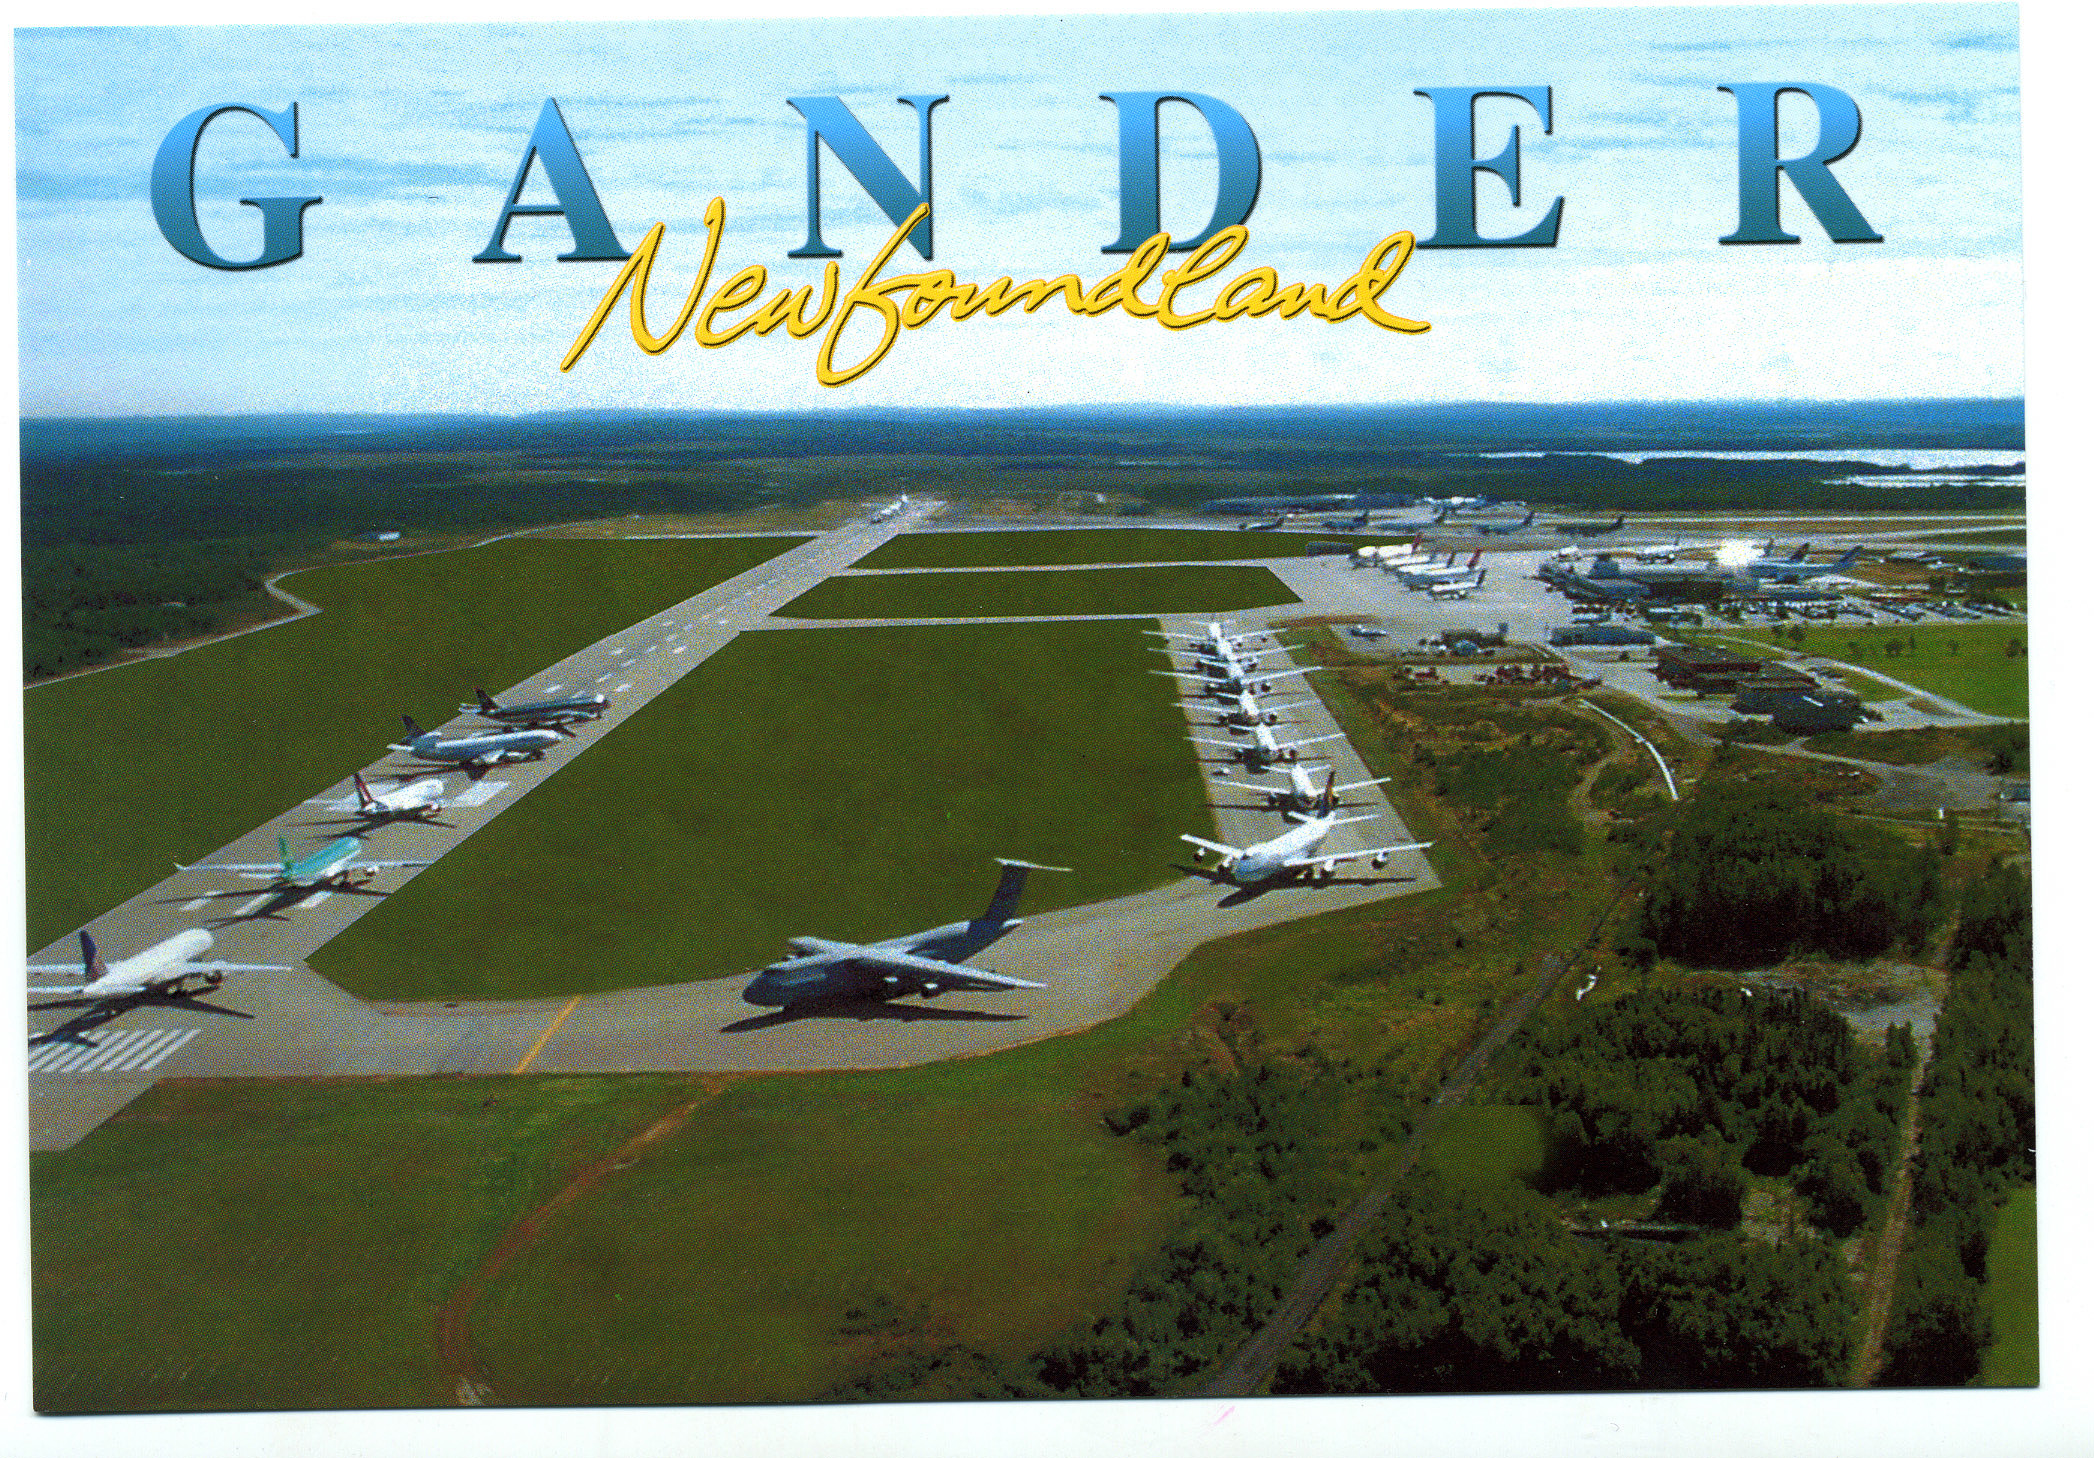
<point>762,991</point>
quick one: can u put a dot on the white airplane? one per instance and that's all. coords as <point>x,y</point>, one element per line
<point>1301,793</point>
<point>1417,577</point>
<point>1658,553</point>
<point>1294,851</point>
<point>1443,591</point>
<point>1262,749</point>
<point>1247,712</point>
<point>1389,554</point>
<point>477,751</point>
<point>892,509</point>
<point>160,973</point>
<point>335,864</point>
<point>1235,678</point>
<point>1214,635</point>
<point>421,799</point>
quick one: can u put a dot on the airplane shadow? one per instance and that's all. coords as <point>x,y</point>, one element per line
<point>75,1030</point>
<point>868,1010</point>
<point>280,902</point>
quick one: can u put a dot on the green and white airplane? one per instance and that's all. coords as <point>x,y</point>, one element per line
<point>334,864</point>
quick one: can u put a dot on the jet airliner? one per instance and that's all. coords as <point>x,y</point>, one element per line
<point>545,714</point>
<point>1295,850</point>
<point>162,973</point>
<point>335,864</point>
<point>478,750</point>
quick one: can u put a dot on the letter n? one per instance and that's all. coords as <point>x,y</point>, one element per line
<point>1760,165</point>
<point>554,148</point>
<point>829,120</point>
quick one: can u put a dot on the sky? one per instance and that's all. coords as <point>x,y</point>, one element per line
<point>412,134</point>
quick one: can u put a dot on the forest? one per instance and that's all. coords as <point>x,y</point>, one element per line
<point>1977,1137</point>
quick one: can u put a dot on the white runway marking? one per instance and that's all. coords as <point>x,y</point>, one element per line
<point>479,794</point>
<point>679,648</point>
<point>601,677</point>
<point>134,1050</point>
<point>250,907</point>
<point>196,905</point>
<point>551,688</point>
<point>316,898</point>
<point>621,688</point>
<point>616,651</point>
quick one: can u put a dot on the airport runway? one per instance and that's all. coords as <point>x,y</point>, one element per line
<point>1098,960</point>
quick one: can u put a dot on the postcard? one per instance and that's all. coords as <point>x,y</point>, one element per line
<point>867,725</point>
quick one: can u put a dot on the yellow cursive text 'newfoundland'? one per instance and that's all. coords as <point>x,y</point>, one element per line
<point>912,300</point>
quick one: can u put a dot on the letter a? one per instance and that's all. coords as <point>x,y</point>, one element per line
<point>550,144</point>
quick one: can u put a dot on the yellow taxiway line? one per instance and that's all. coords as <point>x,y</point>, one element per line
<point>546,1036</point>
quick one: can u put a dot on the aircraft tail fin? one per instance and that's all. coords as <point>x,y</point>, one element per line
<point>283,852</point>
<point>364,797</point>
<point>414,730</point>
<point>486,702</point>
<point>1009,886</point>
<point>91,960</point>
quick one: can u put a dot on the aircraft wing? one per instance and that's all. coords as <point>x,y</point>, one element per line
<point>1313,739</point>
<point>1363,784</point>
<point>951,974</point>
<point>1334,857</point>
<point>1219,743</point>
<point>1229,851</point>
<point>384,865</point>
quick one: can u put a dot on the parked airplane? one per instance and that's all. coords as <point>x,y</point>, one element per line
<point>1507,529</point>
<point>924,963</point>
<point>1261,748</point>
<point>1590,528</point>
<point>1294,851</point>
<point>1417,577</point>
<point>333,865</point>
<point>1442,591</point>
<point>477,750</point>
<point>1658,553</point>
<point>421,799</point>
<point>545,714</point>
<point>1246,712</point>
<point>1265,526</point>
<point>1301,793</point>
<point>890,510</point>
<point>1232,678</point>
<point>1386,553</point>
<point>163,973</point>
<point>1795,569</point>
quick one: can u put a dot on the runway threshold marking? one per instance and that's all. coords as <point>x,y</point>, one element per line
<point>136,1050</point>
<point>546,1036</point>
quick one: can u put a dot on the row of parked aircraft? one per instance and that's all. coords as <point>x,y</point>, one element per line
<point>1227,671</point>
<point>169,973</point>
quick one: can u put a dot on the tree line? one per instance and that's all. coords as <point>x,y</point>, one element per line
<point>1977,1137</point>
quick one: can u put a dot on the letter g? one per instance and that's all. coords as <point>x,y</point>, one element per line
<point>174,192</point>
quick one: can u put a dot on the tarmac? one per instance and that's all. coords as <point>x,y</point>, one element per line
<point>1098,960</point>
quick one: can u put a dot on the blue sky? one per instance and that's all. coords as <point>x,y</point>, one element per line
<point>412,134</point>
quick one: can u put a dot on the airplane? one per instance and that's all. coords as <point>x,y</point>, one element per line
<point>1795,569</point>
<point>1214,639</point>
<point>1236,678</point>
<point>162,973</point>
<point>1442,591</point>
<point>1248,713</point>
<point>417,800</point>
<point>333,865</point>
<point>1590,528</point>
<point>1508,529</point>
<point>1261,748</point>
<point>478,750</point>
<point>1265,526</point>
<point>1417,577</point>
<point>545,714</point>
<point>1382,554</point>
<point>1689,582</point>
<point>890,510</point>
<point>925,963</point>
<point>1294,850</point>
<point>1301,793</point>
<point>1658,553</point>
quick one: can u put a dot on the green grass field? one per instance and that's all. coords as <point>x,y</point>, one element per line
<point>1093,547</point>
<point>1966,662</point>
<point>851,783</point>
<point>130,770</point>
<point>1117,591</point>
<point>1486,1144</point>
<point>2010,1296</point>
<point>217,1244</point>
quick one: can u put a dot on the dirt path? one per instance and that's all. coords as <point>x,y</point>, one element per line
<point>1890,1245</point>
<point>454,1350</point>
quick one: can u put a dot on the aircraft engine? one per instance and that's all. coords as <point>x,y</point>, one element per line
<point>1199,855</point>
<point>1271,717</point>
<point>1327,871</point>
<point>1381,860</point>
<point>1293,755</point>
